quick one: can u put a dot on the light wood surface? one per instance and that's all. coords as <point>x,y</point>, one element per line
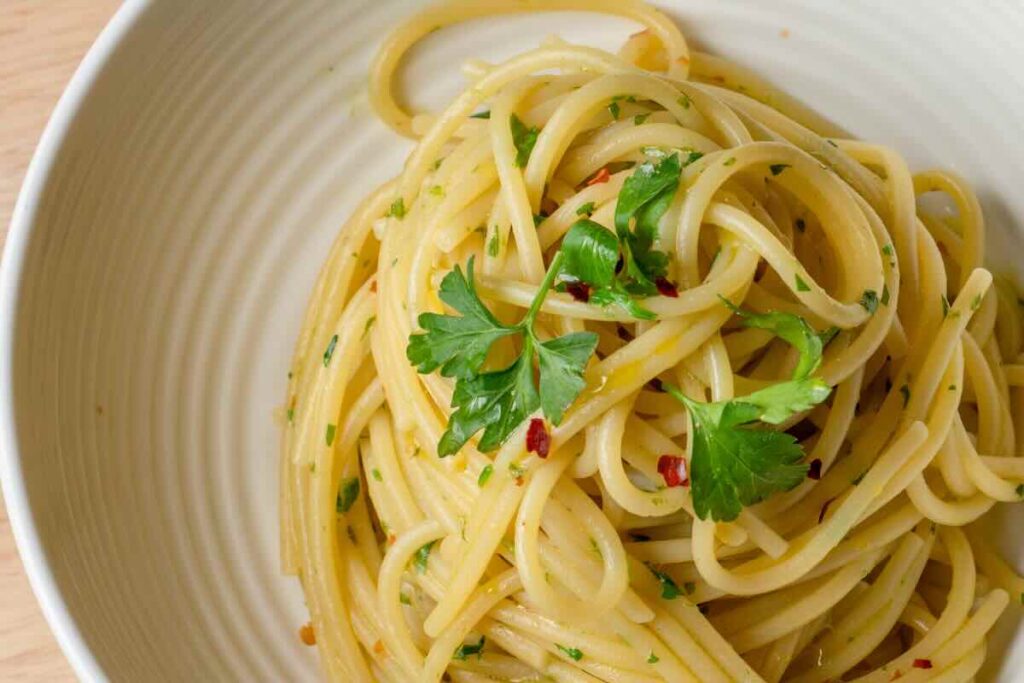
<point>41,43</point>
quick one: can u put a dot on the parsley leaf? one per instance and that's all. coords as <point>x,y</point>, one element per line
<point>524,139</point>
<point>497,401</point>
<point>591,252</point>
<point>792,329</point>
<point>457,345</point>
<point>733,466</point>
<point>645,197</point>
<point>592,255</point>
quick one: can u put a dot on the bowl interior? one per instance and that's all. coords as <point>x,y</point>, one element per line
<point>167,248</point>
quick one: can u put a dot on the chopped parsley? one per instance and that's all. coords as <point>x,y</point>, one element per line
<point>976,302</point>
<point>640,118</point>
<point>485,114</point>
<point>869,300</point>
<point>497,401</point>
<point>570,652</point>
<point>653,658</point>
<point>376,474</point>
<point>524,139</point>
<point>485,474</point>
<point>466,650</point>
<point>669,589</point>
<point>494,245</point>
<point>885,296</point>
<point>329,434</point>
<point>586,209</point>
<point>348,492</point>
<point>330,350</point>
<point>801,286</point>
<point>729,162</point>
<point>614,110</point>
<point>684,101</point>
<point>422,556</point>
<point>397,209</point>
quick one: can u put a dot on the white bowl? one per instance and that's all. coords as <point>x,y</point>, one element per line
<point>177,211</point>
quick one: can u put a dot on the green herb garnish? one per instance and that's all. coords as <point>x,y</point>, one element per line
<point>497,401</point>
<point>733,465</point>
<point>485,474</point>
<point>570,652</point>
<point>348,492</point>
<point>397,209</point>
<point>801,286</point>
<point>464,650</point>
<point>586,209</point>
<point>329,434</point>
<point>792,329</point>
<point>330,350</point>
<point>524,139</point>
<point>669,588</point>
<point>869,300</point>
<point>422,556</point>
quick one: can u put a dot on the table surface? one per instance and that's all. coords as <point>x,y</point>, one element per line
<point>41,43</point>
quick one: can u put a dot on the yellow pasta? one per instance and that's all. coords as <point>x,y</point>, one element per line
<point>586,546</point>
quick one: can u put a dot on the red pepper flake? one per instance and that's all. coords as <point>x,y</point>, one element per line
<point>307,635</point>
<point>537,438</point>
<point>672,468</point>
<point>391,539</point>
<point>373,286</point>
<point>814,471</point>
<point>922,663</point>
<point>580,291</point>
<point>824,509</point>
<point>666,287</point>
<point>378,647</point>
<point>602,176</point>
<point>520,481</point>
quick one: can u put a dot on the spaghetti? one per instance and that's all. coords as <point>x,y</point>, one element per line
<point>521,492</point>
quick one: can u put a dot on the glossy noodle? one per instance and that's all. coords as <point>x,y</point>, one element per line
<point>602,527</point>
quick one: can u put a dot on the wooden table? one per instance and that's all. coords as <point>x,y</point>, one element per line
<point>41,43</point>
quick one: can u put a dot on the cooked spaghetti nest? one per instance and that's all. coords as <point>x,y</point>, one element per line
<point>641,371</point>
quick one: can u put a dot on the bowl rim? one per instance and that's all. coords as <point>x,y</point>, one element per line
<point>19,513</point>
